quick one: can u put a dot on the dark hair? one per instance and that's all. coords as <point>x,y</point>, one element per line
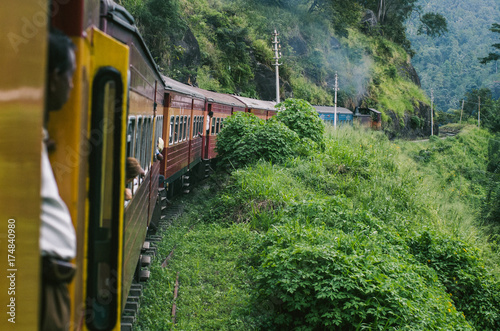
<point>59,46</point>
<point>132,168</point>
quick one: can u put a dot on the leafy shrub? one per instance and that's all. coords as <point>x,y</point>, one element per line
<point>246,139</point>
<point>302,118</point>
<point>416,122</point>
<point>462,272</point>
<point>318,278</point>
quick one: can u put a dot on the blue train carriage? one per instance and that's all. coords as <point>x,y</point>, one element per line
<point>327,114</point>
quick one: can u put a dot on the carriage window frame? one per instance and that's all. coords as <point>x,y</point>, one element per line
<point>139,125</point>
<point>131,128</point>
<point>176,130</point>
<point>181,128</point>
<point>171,130</point>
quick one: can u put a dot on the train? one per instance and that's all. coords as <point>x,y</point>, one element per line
<point>121,106</point>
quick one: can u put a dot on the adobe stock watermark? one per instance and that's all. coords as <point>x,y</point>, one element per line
<point>31,26</point>
<point>11,270</point>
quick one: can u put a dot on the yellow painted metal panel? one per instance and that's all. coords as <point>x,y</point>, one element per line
<point>23,44</point>
<point>106,51</point>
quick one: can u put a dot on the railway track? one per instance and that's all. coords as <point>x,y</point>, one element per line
<point>170,212</point>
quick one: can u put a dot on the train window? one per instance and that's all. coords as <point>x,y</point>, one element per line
<point>148,137</point>
<point>105,200</point>
<point>138,133</point>
<point>185,133</point>
<point>144,130</point>
<point>217,125</point>
<point>181,128</point>
<point>221,123</point>
<point>176,131</point>
<point>213,125</point>
<point>130,136</point>
<point>171,131</point>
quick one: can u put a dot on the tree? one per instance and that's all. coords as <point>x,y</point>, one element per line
<point>490,108</point>
<point>492,56</point>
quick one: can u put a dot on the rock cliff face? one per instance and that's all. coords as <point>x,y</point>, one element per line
<point>411,126</point>
<point>190,59</point>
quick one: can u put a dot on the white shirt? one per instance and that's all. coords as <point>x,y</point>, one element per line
<point>57,234</point>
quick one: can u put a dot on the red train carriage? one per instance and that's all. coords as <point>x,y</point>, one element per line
<point>262,109</point>
<point>183,127</point>
<point>221,106</point>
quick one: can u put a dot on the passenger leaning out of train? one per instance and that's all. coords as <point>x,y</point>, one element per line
<point>57,234</point>
<point>132,170</point>
<point>159,150</point>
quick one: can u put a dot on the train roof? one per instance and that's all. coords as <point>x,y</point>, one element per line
<point>221,98</point>
<point>175,86</point>
<point>331,110</point>
<point>257,104</point>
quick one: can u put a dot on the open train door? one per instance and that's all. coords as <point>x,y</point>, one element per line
<point>107,127</point>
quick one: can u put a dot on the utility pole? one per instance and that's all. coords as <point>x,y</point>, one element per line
<point>462,111</point>
<point>432,112</point>
<point>277,56</point>
<point>478,111</point>
<point>336,88</point>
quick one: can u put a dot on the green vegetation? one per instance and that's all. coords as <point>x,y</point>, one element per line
<point>246,139</point>
<point>225,46</point>
<point>450,63</point>
<point>369,234</point>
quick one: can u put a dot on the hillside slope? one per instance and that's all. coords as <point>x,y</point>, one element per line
<point>359,236</point>
<point>225,45</point>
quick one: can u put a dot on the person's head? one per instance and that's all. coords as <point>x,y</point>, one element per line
<point>60,71</point>
<point>132,169</point>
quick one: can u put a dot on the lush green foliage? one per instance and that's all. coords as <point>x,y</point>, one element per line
<point>296,130</point>
<point>450,63</point>
<point>325,278</point>
<point>161,25</point>
<point>235,53</point>
<point>495,27</point>
<point>491,209</point>
<point>461,271</point>
<point>300,117</point>
<point>359,236</point>
<point>246,139</point>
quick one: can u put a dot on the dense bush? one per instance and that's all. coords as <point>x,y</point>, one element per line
<point>246,139</point>
<point>461,271</point>
<point>319,278</point>
<point>302,118</point>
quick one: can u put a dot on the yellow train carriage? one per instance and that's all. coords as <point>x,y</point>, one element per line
<point>88,162</point>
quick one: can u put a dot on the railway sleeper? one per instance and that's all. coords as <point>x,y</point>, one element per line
<point>144,275</point>
<point>145,260</point>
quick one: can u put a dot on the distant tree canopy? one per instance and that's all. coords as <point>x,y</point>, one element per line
<point>391,16</point>
<point>493,56</point>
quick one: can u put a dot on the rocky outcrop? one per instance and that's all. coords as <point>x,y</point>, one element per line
<point>369,22</point>
<point>190,59</point>
<point>265,82</point>
<point>412,125</point>
<point>407,70</point>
